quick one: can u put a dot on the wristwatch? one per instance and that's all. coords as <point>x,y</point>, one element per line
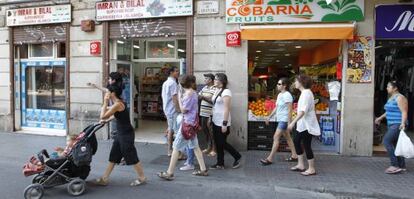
<point>225,123</point>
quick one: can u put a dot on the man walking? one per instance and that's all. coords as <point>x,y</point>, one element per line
<point>170,104</point>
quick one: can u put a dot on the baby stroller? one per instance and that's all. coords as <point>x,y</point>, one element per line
<point>72,169</point>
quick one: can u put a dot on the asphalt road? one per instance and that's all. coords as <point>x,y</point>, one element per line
<point>17,148</point>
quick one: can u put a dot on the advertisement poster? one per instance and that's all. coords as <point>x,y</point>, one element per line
<point>39,15</point>
<point>292,11</point>
<point>360,60</point>
<point>139,9</point>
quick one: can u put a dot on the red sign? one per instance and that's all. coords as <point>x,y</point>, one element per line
<point>233,39</point>
<point>95,48</point>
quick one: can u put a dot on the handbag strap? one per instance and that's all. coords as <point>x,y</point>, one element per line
<point>219,95</point>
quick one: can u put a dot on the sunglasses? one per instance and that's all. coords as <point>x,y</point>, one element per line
<point>279,84</point>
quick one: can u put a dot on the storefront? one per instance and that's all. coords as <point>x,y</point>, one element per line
<point>40,67</point>
<point>145,39</point>
<point>394,60</point>
<point>286,38</point>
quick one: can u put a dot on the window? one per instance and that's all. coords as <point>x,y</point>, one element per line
<point>45,87</point>
<point>161,49</point>
<point>41,50</point>
<point>123,50</point>
<point>139,48</point>
<point>181,50</point>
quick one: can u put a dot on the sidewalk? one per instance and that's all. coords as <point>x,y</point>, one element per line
<point>338,177</point>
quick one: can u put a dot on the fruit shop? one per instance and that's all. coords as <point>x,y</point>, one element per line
<point>292,46</point>
<point>317,59</point>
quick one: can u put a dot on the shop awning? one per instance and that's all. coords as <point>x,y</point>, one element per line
<point>298,32</point>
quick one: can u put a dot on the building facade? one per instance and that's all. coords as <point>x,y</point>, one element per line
<point>197,34</point>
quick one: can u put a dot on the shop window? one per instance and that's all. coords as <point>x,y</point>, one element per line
<point>123,50</point>
<point>45,87</point>
<point>161,49</point>
<point>139,48</point>
<point>61,50</point>
<point>41,50</point>
<point>181,50</point>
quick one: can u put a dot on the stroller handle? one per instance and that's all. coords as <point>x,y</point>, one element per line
<point>95,128</point>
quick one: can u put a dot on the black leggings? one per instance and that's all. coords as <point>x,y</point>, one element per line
<point>306,138</point>
<point>221,145</point>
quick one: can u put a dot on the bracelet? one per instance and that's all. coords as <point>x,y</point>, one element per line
<point>225,123</point>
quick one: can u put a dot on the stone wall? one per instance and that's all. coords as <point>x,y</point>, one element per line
<point>85,102</point>
<point>212,56</point>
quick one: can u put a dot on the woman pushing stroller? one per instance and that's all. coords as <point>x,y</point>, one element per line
<point>123,145</point>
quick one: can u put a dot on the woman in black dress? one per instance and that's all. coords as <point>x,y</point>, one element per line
<point>123,145</point>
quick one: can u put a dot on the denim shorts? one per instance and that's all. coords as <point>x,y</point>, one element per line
<point>172,123</point>
<point>282,126</point>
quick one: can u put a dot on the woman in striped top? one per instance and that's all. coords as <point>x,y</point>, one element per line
<point>396,110</point>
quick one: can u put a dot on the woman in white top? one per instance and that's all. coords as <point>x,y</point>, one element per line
<point>307,125</point>
<point>222,121</point>
<point>283,117</point>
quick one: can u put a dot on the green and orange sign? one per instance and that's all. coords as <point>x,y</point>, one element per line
<point>293,11</point>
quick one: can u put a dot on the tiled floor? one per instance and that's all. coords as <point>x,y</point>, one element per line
<point>151,131</point>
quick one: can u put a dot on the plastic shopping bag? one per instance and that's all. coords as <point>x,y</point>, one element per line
<point>405,147</point>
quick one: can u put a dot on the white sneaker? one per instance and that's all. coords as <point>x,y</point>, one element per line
<point>187,168</point>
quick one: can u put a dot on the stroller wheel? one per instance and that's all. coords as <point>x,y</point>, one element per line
<point>76,187</point>
<point>39,178</point>
<point>34,191</point>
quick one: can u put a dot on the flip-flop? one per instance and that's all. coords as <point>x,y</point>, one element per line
<point>101,182</point>
<point>305,173</point>
<point>265,162</point>
<point>393,171</point>
<point>166,176</point>
<point>297,169</point>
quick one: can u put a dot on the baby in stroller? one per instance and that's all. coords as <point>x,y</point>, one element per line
<point>35,165</point>
<point>69,165</point>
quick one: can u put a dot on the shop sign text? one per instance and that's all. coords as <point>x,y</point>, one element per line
<point>39,15</point>
<point>138,9</point>
<point>290,11</point>
<point>394,22</point>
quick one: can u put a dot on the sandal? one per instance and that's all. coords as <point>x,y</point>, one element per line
<point>166,176</point>
<point>306,173</point>
<point>291,159</point>
<point>265,162</point>
<point>200,173</point>
<point>393,170</point>
<point>101,182</point>
<point>138,182</point>
<point>297,169</point>
<point>212,154</point>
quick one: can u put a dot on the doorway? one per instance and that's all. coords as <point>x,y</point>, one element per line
<point>268,61</point>
<point>393,61</point>
<point>144,65</point>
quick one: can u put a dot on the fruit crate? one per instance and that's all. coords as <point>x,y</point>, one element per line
<point>261,126</point>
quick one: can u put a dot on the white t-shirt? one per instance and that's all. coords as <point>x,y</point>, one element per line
<point>308,122</point>
<point>218,107</point>
<point>282,109</point>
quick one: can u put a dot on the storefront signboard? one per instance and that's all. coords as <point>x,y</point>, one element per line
<point>292,11</point>
<point>207,7</point>
<point>233,39</point>
<point>394,22</point>
<point>360,60</point>
<point>39,15</point>
<point>139,9</point>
